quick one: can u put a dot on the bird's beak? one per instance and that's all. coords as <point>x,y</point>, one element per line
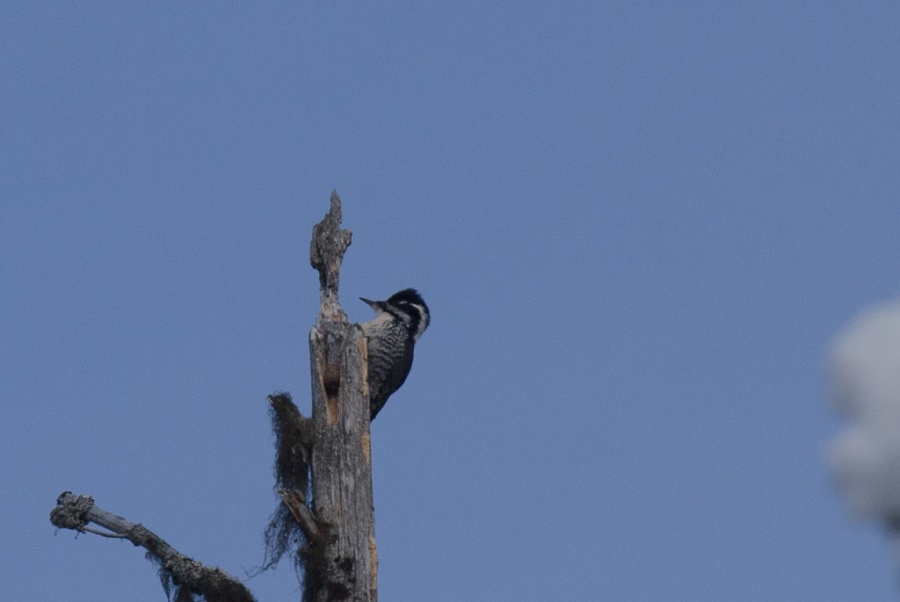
<point>369,302</point>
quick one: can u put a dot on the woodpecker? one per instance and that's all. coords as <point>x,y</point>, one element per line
<point>390,338</point>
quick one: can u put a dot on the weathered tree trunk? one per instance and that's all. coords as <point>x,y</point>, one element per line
<point>332,537</point>
<point>344,562</point>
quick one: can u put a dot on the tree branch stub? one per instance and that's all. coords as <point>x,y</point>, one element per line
<point>77,511</point>
<point>326,253</point>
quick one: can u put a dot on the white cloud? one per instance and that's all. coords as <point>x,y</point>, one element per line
<point>865,381</point>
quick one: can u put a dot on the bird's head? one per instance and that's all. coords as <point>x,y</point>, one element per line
<point>407,306</point>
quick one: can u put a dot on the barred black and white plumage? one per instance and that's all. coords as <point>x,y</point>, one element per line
<point>391,337</point>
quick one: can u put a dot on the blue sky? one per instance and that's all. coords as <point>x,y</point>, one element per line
<point>638,226</point>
